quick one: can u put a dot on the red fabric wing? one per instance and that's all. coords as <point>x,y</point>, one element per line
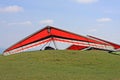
<point>69,35</point>
<point>51,32</point>
<point>32,38</point>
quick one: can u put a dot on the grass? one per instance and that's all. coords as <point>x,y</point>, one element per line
<point>118,53</point>
<point>60,65</point>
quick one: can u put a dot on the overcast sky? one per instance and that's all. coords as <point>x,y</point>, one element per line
<point>20,18</point>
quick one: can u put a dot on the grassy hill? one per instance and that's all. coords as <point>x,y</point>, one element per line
<point>60,65</point>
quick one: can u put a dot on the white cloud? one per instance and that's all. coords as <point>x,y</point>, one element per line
<point>86,1</point>
<point>27,23</point>
<point>11,9</point>
<point>47,22</point>
<point>104,20</point>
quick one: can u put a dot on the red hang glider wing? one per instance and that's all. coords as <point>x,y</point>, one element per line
<point>71,36</point>
<point>50,33</point>
<point>38,36</point>
<point>116,46</point>
<point>79,39</point>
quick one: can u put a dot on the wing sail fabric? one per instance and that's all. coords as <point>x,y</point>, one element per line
<point>51,33</point>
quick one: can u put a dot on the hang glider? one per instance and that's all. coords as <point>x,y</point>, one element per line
<point>50,33</point>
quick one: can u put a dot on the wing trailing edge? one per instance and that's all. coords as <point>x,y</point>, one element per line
<point>116,46</point>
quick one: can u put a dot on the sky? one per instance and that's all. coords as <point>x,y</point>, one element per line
<point>20,18</point>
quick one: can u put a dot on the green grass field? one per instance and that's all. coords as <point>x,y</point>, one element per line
<point>60,65</point>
